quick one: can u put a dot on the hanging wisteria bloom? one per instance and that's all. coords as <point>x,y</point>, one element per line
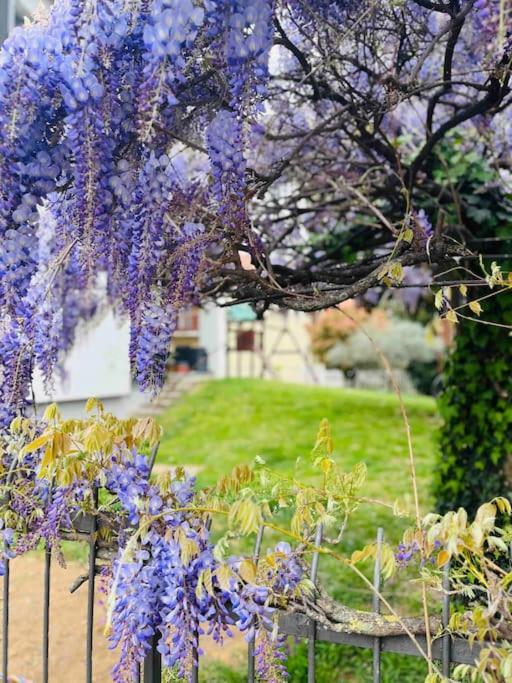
<point>93,103</point>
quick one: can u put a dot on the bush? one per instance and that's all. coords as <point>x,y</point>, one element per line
<point>476,436</point>
<point>402,341</point>
<point>332,326</point>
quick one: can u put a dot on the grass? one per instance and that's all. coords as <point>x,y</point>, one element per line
<point>224,423</point>
<point>228,422</point>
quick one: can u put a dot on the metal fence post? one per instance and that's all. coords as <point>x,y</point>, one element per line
<point>153,664</point>
<point>251,672</point>
<point>376,605</point>
<point>312,627</point>
<point>5,621</point>
<point>91,592</point>
<point>46,611</point>
<point>447,645</point>
<point>7,580</point>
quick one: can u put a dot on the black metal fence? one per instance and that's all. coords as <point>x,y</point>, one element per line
<point>446,650</point>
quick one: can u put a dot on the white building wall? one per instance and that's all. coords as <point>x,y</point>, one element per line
<point>10,10</point>
<point>213,338</point>
<point>97,365</point>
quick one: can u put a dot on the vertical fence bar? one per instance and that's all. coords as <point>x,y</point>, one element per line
<point>447,645</point>
<point>46,602</point>
<point>153,664</point>
<point>251,670</point>
<point>312,626</point>
<point>91,592</point>
<point>7,581</point>
<point>152,457</point>
<point>5,621</point>
<point>46,611</point>
<point>194,674</point>
<point>376,605</point>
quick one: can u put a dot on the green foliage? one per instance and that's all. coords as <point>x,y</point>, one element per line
<point>476,436</point>
<point>343,664</point>
<point>425,377</point>
<point>276,420</point>
<point>221,673</point>
<point>334,664</point>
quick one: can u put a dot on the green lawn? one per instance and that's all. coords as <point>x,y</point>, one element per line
<point>224,423</point>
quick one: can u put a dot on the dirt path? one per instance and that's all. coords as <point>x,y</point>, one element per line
<point>67,627</point>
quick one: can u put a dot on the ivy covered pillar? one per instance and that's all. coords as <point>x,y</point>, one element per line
<point>475,455</point>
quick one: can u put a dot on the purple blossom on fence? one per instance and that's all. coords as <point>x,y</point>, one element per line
<point>406,553</point>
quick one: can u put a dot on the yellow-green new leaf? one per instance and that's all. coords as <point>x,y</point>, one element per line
<point>438,301</point>
<point>224,576</point>
<point>92,404</point>
<point>51,413</point>
<point>475,307</point>
<point>36,444</point>
<point>408,236</point>
<point>247,570</point>
<point>452,317</point>
<point>147,430</point>
<point>245,516</point>
<point>503,505</point>
<point>188,547</point>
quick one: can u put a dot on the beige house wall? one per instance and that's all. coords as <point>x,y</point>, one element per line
<point>285,349</point>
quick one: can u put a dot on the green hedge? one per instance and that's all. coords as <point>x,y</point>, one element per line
<point>476,407</point>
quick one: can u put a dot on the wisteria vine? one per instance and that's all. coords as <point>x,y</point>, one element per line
<point>174,561</point>
<point>94,98</point>
<point>167,579</point>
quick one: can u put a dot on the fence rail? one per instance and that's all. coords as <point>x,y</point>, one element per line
<point>445,649</point>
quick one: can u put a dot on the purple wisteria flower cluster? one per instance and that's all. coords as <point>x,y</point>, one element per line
<point>166,581</point>
<point>94,101</point>
<point>409,552</point>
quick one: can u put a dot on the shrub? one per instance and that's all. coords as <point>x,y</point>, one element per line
<point>402,341</point>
